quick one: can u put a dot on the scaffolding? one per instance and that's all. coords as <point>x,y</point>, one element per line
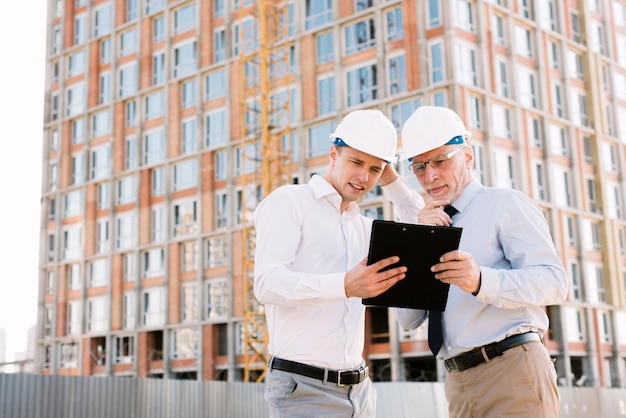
<point>265,98</point>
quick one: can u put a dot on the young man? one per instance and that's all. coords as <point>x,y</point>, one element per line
<point>505,270</point>
<point>311,274</point>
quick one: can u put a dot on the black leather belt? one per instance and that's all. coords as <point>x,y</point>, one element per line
<point>339,377</point>
<point>485,353</point>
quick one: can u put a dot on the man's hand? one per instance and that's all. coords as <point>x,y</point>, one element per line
<point>365,281</point>
<point>433,214</point>
<point>460,269</point>
<point>389,175</point>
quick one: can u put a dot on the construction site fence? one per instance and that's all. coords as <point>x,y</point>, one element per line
<point>37,396</point>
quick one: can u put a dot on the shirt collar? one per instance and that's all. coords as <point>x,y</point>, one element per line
<point>469,193</point>
<point>323,189</point>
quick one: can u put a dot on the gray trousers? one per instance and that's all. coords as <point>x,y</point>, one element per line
<point>291,395</point>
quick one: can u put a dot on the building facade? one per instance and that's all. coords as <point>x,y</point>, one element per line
<point>143,220</point>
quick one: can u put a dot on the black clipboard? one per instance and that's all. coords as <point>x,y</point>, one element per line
<point>419,248</point>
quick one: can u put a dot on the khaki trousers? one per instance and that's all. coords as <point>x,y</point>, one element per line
<point>521,383</point>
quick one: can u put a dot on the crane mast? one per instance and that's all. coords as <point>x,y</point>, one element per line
<point>266,135</point>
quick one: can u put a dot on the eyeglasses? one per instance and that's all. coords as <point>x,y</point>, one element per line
<point>419,168</point>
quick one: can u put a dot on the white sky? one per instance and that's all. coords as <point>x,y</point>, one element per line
<point>22,80</point>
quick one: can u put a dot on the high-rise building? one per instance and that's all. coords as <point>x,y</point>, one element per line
<point>153,108</point>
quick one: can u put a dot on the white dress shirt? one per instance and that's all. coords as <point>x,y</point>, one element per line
<point>304,248</point>
<point>507,234</point>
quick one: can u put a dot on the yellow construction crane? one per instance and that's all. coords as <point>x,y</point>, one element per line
<point>265,98</point>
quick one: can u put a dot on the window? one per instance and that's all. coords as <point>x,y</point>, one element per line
<point>326,95</point>
<point>184,18</point>
<point>325,48</point>
<point>185,218</point>
<point>436,63</point>
<point>73,204</point>
<point>158,68</point>
<point>131,113</point>
<point>318,139</point>
<point>158,29</point>
<point>101,162</point>
<point>576,35</point>
<point>153,306</point>
<point>221,163</point>
<point>185,343</point>
<point>185,175</point>
<point>126,231</point>
<point>97,314</point>
<point>104,196</point>
<point>185,59</point>
<point>73,277</point>
<point>474,111</point>
<point>221,210</point>
<point>130,270</point>
<point>397,75</point>
<point>558,141</point>
<point>547,15</point>
<point>102,238</point>
<point>51,247</point>
<point>188,98</point>
<point>498,30</point>
<point>76,103</point>
<point>360,36</point>
<point>395,28</point>
<point>52,210</point>
<point>527,88</point>
<point>98,273</point>
<point>504,170</point>
<point>103,20</point>
<point>154,147</point>
<point>362,85</point>
<point>189,303</point>
<point>553,55</point>
<point>155,107</point>
<point>124,349</point>
<point>49,320</point>
<point>562,187</point>
<point>591,195</point>
<point>540,182</point>
<point>466,56</point>
<point>219,45</point>
<point>158,181</point>
<point>73,317</point>
<point>217,298</point>
<point>128,43</point>
<point>68,355</point>
<point>189,256</point>
<point>216,129</point>
<point>158,224</point>
<point>215,85</point>
<point>101,123</point>
<point>557,100</point>
<point>523,42</point>
<point>575,324</point>
<point>78,176</point>
<point>318,13</point>
<point>501,121</point>
<point>126,192</point>
<point>131,160</point>
<point>216,252</point>
<point>571,231</point>
<point>400,112</point>
<point>189,128</point>
<point>434,13</point>
<point>465,15</point>
<point>153,263</point>
<point>80,30</point>
<point>154,5</point>
<point>72,243</point>
<point>131,10</point>
<point>76,63</point>
<point>128,80</point>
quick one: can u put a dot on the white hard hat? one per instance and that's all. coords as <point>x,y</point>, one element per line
<point>430,127</point>
<point>369,131</point>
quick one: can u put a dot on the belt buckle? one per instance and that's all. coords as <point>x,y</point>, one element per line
<point>339,372</point>
<point>451,362</point>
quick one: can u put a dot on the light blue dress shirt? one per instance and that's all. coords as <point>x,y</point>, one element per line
<point>508,236</point>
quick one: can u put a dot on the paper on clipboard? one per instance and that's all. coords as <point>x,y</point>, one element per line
<point>419,247</point>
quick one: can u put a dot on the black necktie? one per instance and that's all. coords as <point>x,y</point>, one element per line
<point>435,332</point>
